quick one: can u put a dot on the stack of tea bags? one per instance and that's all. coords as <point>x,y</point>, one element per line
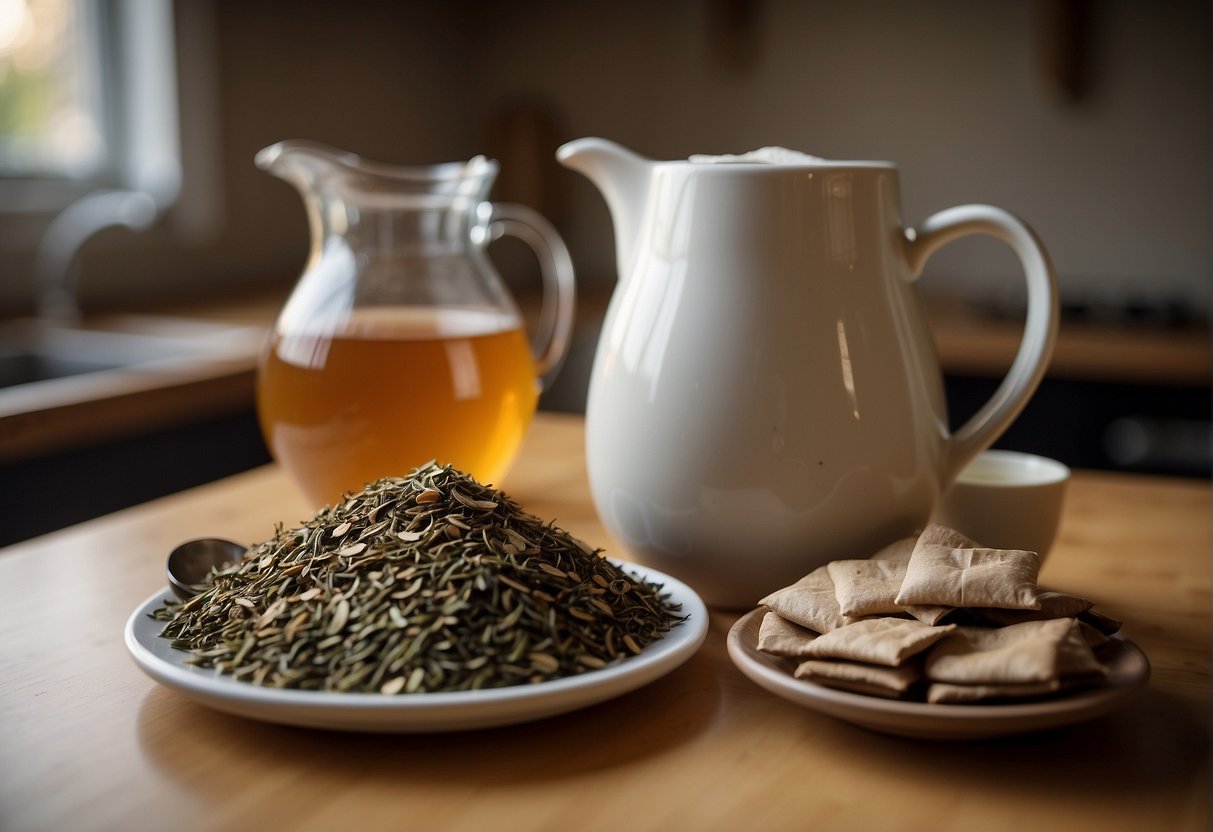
<point>936,617</point>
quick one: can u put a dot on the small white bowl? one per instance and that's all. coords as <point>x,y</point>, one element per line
<point>1007,500</point>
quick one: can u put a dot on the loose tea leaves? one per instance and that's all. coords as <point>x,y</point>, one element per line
<point>432,582</point>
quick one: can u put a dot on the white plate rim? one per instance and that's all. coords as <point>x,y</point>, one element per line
<point>1128,674</point>
<point>424,712</point>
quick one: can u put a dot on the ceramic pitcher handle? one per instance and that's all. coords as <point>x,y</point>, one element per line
<point>551,342</point>
<point>1040,329</point>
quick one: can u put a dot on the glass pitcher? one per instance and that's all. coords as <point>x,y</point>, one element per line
<point>401,343</point>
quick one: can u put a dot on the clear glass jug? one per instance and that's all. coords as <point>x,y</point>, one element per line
<point>401,343</point>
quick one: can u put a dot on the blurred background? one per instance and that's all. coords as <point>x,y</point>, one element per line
<point>128,130</point>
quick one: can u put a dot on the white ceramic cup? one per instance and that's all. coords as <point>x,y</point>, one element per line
<point>1007,500</point>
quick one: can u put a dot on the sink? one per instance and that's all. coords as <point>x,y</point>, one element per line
<point>35,351</point>
<point>62,382</point>
<point>22,366</point>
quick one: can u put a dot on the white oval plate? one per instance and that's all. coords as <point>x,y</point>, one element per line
<point>1128,671</point>
<point>420,712</point>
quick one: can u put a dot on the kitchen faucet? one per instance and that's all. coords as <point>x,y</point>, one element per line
<point>55,271</point>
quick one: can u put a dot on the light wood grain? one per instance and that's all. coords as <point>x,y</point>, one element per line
<point>88,742</point>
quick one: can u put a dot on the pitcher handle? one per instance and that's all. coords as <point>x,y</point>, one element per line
<point>551,343</point>
<point>1040,328</point>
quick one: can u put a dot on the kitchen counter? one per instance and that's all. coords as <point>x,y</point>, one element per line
<point>102,407</point>
<point>971,341</point>
<point>89,742</point>
<point>92,409</point>
<point>111,377</point>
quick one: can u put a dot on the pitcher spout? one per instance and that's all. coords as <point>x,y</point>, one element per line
<point>306,164</point>
<point>301,162</point>
<point>623,178</point>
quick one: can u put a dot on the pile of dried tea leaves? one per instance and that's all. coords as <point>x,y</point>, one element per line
<point>432,582</point>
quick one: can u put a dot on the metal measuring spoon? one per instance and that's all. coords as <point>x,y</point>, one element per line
<point>189,565</point>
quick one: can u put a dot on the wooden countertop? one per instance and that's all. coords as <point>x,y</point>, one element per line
<point>972,343</point>
<point>89,742</point>
<point>161,371</point>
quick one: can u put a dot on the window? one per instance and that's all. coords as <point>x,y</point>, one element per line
<point>50,96</point>
<point>89,126</point>
<point>87,95</point>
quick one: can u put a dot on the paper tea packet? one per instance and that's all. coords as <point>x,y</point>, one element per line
<point>936,618</point>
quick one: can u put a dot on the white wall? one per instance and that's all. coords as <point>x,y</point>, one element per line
<point>1117,184</point>
<point>954,92</point>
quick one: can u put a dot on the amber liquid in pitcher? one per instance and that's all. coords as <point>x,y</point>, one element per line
<point>394,388</point>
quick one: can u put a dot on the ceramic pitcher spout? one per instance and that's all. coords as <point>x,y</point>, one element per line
<point>623,177</point>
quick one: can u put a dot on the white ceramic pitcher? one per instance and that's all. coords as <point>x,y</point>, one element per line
<point>766,395</point>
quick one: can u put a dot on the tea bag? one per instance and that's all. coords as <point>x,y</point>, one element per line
<point>932,614</point>
<point>781,637</point>
<point>971,577</point>
<point>900,551</point>
<point>1099,621</point>
<point>890,682</point>
<point>1052,605</point>
<point>942,692</point>
<point>890,569</point>
<point>897,550</point>
<point>810,602</point>
<point>936,534</point>
<point>883,641</point>
<point>1076,659</point>
<point>867,587</point>
<point>1034,651</point>
<point>1076,666</point>
<point>979,628</point>
<point>1093,637</point>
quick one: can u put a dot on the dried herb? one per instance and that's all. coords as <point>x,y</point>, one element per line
<point>432,582</point>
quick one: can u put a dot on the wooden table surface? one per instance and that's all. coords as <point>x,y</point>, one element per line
<point>88,742</point>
